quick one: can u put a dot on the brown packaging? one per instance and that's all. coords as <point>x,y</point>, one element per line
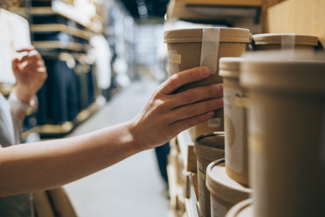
<point>235,118</point>
<point>224,191</point>
<point>286,136</point>
<point>241,209</point>
<point>300,43</point>
<point>207,148</point>
<point>184,47</point>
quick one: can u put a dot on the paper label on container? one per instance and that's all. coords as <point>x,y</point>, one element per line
<point>255,135</point>
<point>210,48</point>
<point>234,122</point>
<point>173,67</point>
<point>176,58</point>
<point>214,122</point>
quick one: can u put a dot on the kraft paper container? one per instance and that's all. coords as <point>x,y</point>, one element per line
<point>184,47</point>
<point>286,136</point>
<point>210,126</point>
<point>242,209</point>
<point>301,43</point>
<point>224,191</point>
<point>207,148</point>
<point>235,118</point>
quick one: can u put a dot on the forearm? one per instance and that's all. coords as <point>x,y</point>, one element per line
<point>38,166</point>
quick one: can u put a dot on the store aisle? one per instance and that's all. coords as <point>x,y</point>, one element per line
<point>132,187</point>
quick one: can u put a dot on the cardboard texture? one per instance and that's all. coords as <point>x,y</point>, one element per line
<point>241,209</point>
<point>210,126</point>
<point>301,43</point>
<point>207,148</point>
<point>298,16</point>
<point>235,117</point>
<point>225,192</point>
<point>286,136</point>
<point>187,45</point>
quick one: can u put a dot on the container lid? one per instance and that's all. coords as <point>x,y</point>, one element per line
<point>269,71</point>
<point>210,146</point>
<point>221,185</point>
<point>195,35</point>
<point>241,209</point>
<point>230,66</point>
<point>264,39</point>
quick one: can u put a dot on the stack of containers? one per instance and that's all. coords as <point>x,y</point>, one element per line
<point>286,128</point>
<point>189,48</point>
<point>207,149</point>
<point>229,188</point>
<point>286,136</point>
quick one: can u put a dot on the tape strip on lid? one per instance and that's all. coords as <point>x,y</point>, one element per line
<point>210,48</point>
<point>288,44</point>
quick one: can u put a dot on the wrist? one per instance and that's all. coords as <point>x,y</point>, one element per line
<point>138,139</point>
<point>23,94</point>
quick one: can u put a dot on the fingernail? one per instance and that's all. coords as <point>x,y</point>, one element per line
<point>220,101</point>
<point>209,113</point>
<point>204,71</point>
<point>220,86</point>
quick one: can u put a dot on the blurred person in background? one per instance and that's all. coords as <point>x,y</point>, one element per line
<point>45,165</point>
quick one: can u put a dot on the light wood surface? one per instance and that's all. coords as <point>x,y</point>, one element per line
<point>298,16</point>
<point>42,28</point>
<point>58,45</point>
<point>48,11</point>
<point>264,12</point>
<point>179,9</point>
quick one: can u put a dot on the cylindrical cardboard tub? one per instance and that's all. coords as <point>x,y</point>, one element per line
<point>235,118</point>
<point>299,43</point>
<point>210,126</point>
<point>241,209</point>
<point>224,191</point>
<point>286,136</point>
<point>185,46</point>
<point>207,148</point>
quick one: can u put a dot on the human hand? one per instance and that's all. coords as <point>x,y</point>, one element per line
<point>30,73</point>
<point>167,114</point>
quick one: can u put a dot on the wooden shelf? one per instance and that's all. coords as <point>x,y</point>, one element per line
<point>43,28</point>
<point>67,127</point>
<point>49,11</point>
<point>60,45</point>
<point>298,16</point>
<point>208,10</point>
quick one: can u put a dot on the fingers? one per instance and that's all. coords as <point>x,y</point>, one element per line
<point>31,48</point>
<point>33,67</point>
<point>182,125</point>
<point>31,57</point>
<point>184,77</point>
<point>197,94</point>
<point>195,109</point>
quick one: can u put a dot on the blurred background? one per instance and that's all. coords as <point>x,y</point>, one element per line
<point>104,58</point>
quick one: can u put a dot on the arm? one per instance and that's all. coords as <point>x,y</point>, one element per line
<point>30,74</point>
<point>38,166</point>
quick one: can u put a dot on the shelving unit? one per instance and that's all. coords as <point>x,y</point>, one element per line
<point>49,130</point>
<point>214,10</point>
<point>182,181</point>
<point>96,28</point>
<point>44,28</point>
